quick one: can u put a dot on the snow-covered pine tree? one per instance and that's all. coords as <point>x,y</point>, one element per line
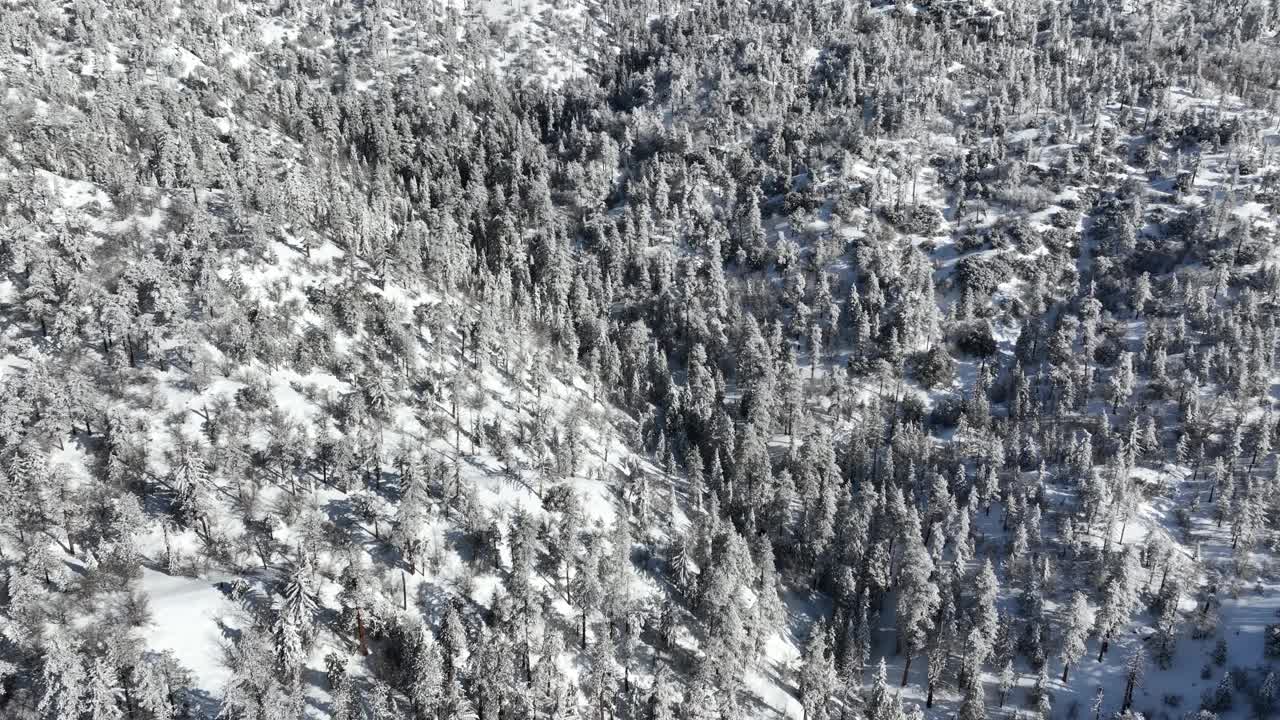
<point>882,703</point>
<point>1134,668</point>
<point>427,677</point>
<point>817,675</point>
<point>917,596</point>
<point>1075,631</point>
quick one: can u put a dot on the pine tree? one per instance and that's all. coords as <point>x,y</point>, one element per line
<point>1247,519</point>
<point>984,618</point>
<point>412,519</point>
<point>696,486</point>
<point>939,652</point>
<point>453,641</point>
<point>1007,679</point>
<point>295,617</point>
<point>586,590</point>
<point>918,597</point>
<point>1075,632</point>
<point>104,692</point>
<point>973,706</point>
<point>1220,698</point>
<point>255,688</point>
<point>658,702</point>
<point>63,677</point>
<point>858,652</point>
<point>380,703</point>
<point>770,609</point>
<point>681,566</point>
<point>1268,696</point>
<point>427,679</point>
<point>599,683</point>
<point>1134,667</point>
<point>882,703</point>
<point>153,689</point>
<point>289,645</point>
<point>1119,595</point>
<point>1141,294</point>
<point>1040,700</point>
<point>1121,381</point>
<point>817,675</point>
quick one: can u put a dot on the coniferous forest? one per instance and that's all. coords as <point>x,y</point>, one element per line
<point>636,360</point>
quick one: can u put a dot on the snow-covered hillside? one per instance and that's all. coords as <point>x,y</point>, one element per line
<point>551,359</point>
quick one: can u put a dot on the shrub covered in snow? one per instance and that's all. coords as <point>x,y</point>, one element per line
<point>974,337</point>
<point>914,219</point>
<point>933,367</point>
<point>981,274</point>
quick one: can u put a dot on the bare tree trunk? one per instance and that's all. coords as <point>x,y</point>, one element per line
<point>364,648</point>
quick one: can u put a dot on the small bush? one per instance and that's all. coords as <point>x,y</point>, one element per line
<point>254,396</point>
<point>914,219</point>
<point>971,241</point>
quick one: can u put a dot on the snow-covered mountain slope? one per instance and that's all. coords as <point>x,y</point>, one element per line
<point>636,360</point>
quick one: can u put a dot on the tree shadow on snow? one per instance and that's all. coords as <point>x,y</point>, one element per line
<point>432,599</point>
<point>316,678</point>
